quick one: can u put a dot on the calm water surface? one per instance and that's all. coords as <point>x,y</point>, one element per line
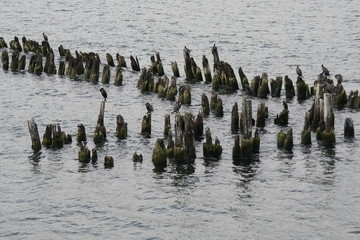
<point>311,193</point>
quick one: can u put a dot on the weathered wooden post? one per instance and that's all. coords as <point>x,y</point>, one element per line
<point>328,134</point>
<point>283,118</point>
<point>206,69</point>
<point>262,114</point>
<point>285,140</point>
<point>275,86</point>
<point>137,157</point>
<point>14,61</point>
<point>349,128</point>
<point>118,76</point>
<point>81,134</point>
<point>61,70</point>
<point>179,148</point>
<point>289,88</point>
<point>34,134</point>
<point>171,90</point>
<point>189,138</point>
<point>235,119</point>
<point>3,43</point>
<point>121,127</point>
<point>171,145</point>
<point>15,44</point>
<point>243,79</point>
<point>185,94</point>
<point>246,143</point>
<point>146,125</point>
<point>135,63</point>
<point>254,85</point>
<point>215,54</point>
<point>205,104</point>
<point>188,66</point>
<point>213,100</point>
<point>52,136</point>
<point>22,63</point>
<point>306,132</point>
<point>219,111</point>
<point>95,68</point>
<point>159,156</point>
<point>84,153</point>
<point>105,78</point>
<point>263,90</point>
<point>210,149</point>
<point>108,162</point>
<point>167,125</point>
<point>175,69</point>
<point>121,60</point>
<point>198,125</point>
<point>236,151</point>
<point>38,66</point>
<point>5,60</point>
<point>302,89</point>
<point>110,60</point>
<point>100,130</point>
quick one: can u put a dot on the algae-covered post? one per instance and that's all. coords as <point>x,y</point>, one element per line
<point>175,69</point>
<point>349,128</point>
<point>118,76</point>
<point>205,104</point>
<point>206,69</point>
<point>81,133</point>
<point>189,137</point>
<point>159,156</point>
<point>121,127</point>
<point>146,125</point>
<point>167,125</point>
<point>198,125</point>
<point>210,149</point>
<point>121,60</point>
<point>110,60</point>
<point>215,54</point>
<point>5,60</point>
<point>34,134</point>
<point>262,114</point>
<point>105,77</point>
<point>108,162</point>
<point>243,79</point>
<point>289,88</point>
<point>246,118</point>
<point>14,61</point>
<point>306,132</point>
<point>275,86</point>
<point>84,153</point>
<point>100,130</point>
<point>135,63</point>
<point>185,94</point>
<point>235,118</point>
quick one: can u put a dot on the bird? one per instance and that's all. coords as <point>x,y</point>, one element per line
<point>285,105</point>
<point>298,71</point>
<point>45,37</point>
<point>177,106</point>
<point>103,93</point>
<point>325,71</point>
<point>149,107</point>
<point>338,79</point>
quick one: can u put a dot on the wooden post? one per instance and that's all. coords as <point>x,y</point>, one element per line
<point>5,60</point>
<point>84,153</point>
<point>167,125</point>
<point>175,69</point>
<point>108,162</point>
<point>146,125</point>
<point>110,60</point>
<point>262,114</point>
<point>121,60</point>
<point>198,124</point>
<point>235,119</point>
<point>246,115</point>
<point>121,127</point>
<point>205,104</point>
<point>34,134</point>
<point>275,86</point>
<point>81,134</point>
<point>105,78</point>
<point>289,88</point>
<point>263,90</point>
<point>159,156</point>
<point>135,63</point>
<point>206,69</point>
<point>349,128</point>
<point>14,61</point>
<point>118,76</point>
<point>211,150</point>
<point>100,130</point>
<point>189,137</point>
<point>306,132</point>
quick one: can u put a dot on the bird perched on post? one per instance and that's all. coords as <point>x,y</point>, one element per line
<point>338,79</point>
<point>149,108</point>
<point>45,37</point>
<point>298,71</point>
<point>285,105</point>
<point>325,71</point>
<point>177,106</point>
<point>103,93</point>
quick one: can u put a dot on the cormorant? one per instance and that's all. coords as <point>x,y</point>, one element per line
<point>338,79</point>
<point>177,106</point>
<point>285,105</point>
<point>103,93</point>
<point>298,71</point>
<point>45,37</point>
<point>149,107</point>
<point>325,71</point>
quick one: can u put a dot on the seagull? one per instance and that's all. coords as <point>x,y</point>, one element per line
<point>298,71</point>
<point>149,107</point>
<point>339,79</point>
<point>45,37</point>
<point>103,93</point>
<point>325,71</point>
<point>177,106</point>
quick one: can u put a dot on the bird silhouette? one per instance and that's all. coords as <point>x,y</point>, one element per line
<point>338,79</point>
<point>177,106</point>
<point>325,71</point>
<point>45,37</point>
<point>298,71</point>
<point>149,108</point>
<point>103,93</point>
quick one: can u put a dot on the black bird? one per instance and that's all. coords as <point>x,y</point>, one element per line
<point>298,71</point>
<point>285,105</point>
<point>177,106</point>
<point>338,79</point>
<point>325,71</point>
<point>149,107</point>
<point>103,93</point>
<point>45,37</point>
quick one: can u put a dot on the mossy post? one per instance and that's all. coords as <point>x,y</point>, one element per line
<point>280,139</point>
<point>94,156</point>
<point>121,127</point>
<point>5,60</point>
<point>262,114</point>
<point>282,119</point>
<point>110,60</point>
<point>329,119</point>
<point>213,100</point>
<point>108,162</point>
<point>105,78</point>
<point>189,137</point>
<point>100,130</point>
<point>243,79</point>
<point>210,149</point>
<point>52,136</point>
<point>352,99</point>
<point>179,148</point>
<point>167,125</point>
<point>236,151</point>
<point>289,88</point>
<point>288,142</point>
<point>306,132</point>
<point>3,43</point>
<point>185,94</point>
<point>14,61</point>
<point>171,90</point>
<point>205,106</point>
<point>121,61</point>
<point>50,67</point>
<point>206,69</point>
<point>219,111</point>
<point>134,63</point>
<point>118,76</point>
<point>34,134</point>
<point>146,125</point>
<point>198,125</point>
<point>302,89</point>
<point>246,118</point>
<point>61,70</point>
<point>84,154</point>
<point>315,111</point>
<point>188,66</point>
<point>137,157</point>
<point>235,119</point>
<point>175,69</point>
<point>22,63</point>
<point>159,65</point>
<point>263,90</point>
<point>275,86</point>
<point>95,70</point>
<point>171,145</point>
<point>349,128</point>
<point>66,138</point>
<point>81,133</point>
<point>159,156</point>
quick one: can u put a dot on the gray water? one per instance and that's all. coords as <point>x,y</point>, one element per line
<point>311,193</point>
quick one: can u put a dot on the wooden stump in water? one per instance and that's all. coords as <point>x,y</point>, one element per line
<point>84,154</point>
<point>179,148</point>
<point>171,145</point>
<point>263,90</point>
<point>118,76</point>
<point>146,125</point>
<point>243,79</point>
<point>327,135</point>
<point>302,89</point>
<point>175,69</point>
<point>206,69</point>
<point>289,88</point>
<point>188,65</point>
<point>50,67</point>
<point>349,128</point>
<point>235,119</point>
<point>198,125</point>
<point>14,61</point>
<point>105,78</point>
<point>52,136</point>
<point>137,157</point>
<point>66,138</point>
<point>159,156</point>
<point>22,63</point>
<point>100,130</point>
<point>236,151</point>
<point>210,149</point>
<point>110,60</point>
<point>121,127</point>
<point>219,111</point>
<point>205,106</point>
<point>135,63</point>
<point>34,134</point>
<point>3,43</point>
<point>61,70</point>
<point>121,60</point>
<point>5,60</point>
<point>108,162</point>
<point>171,90</point>
<point>275,86</point>
<point>38,66</point>
<point>81,134</point>
<point>94,156</point>
<point>189,138</point>
<point>62,51</point>
<point>167,125</point>
<point>185,94</point>
<point>285,140</point>
<point>215,54</point>
<point>282,118</point>
<point>95,69</point>
<point>246,118</point>
<point>306,132</point>
<point>254,85</point>
<point>15,44</point>
<point>146,81</point>
<point>227,77</point>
